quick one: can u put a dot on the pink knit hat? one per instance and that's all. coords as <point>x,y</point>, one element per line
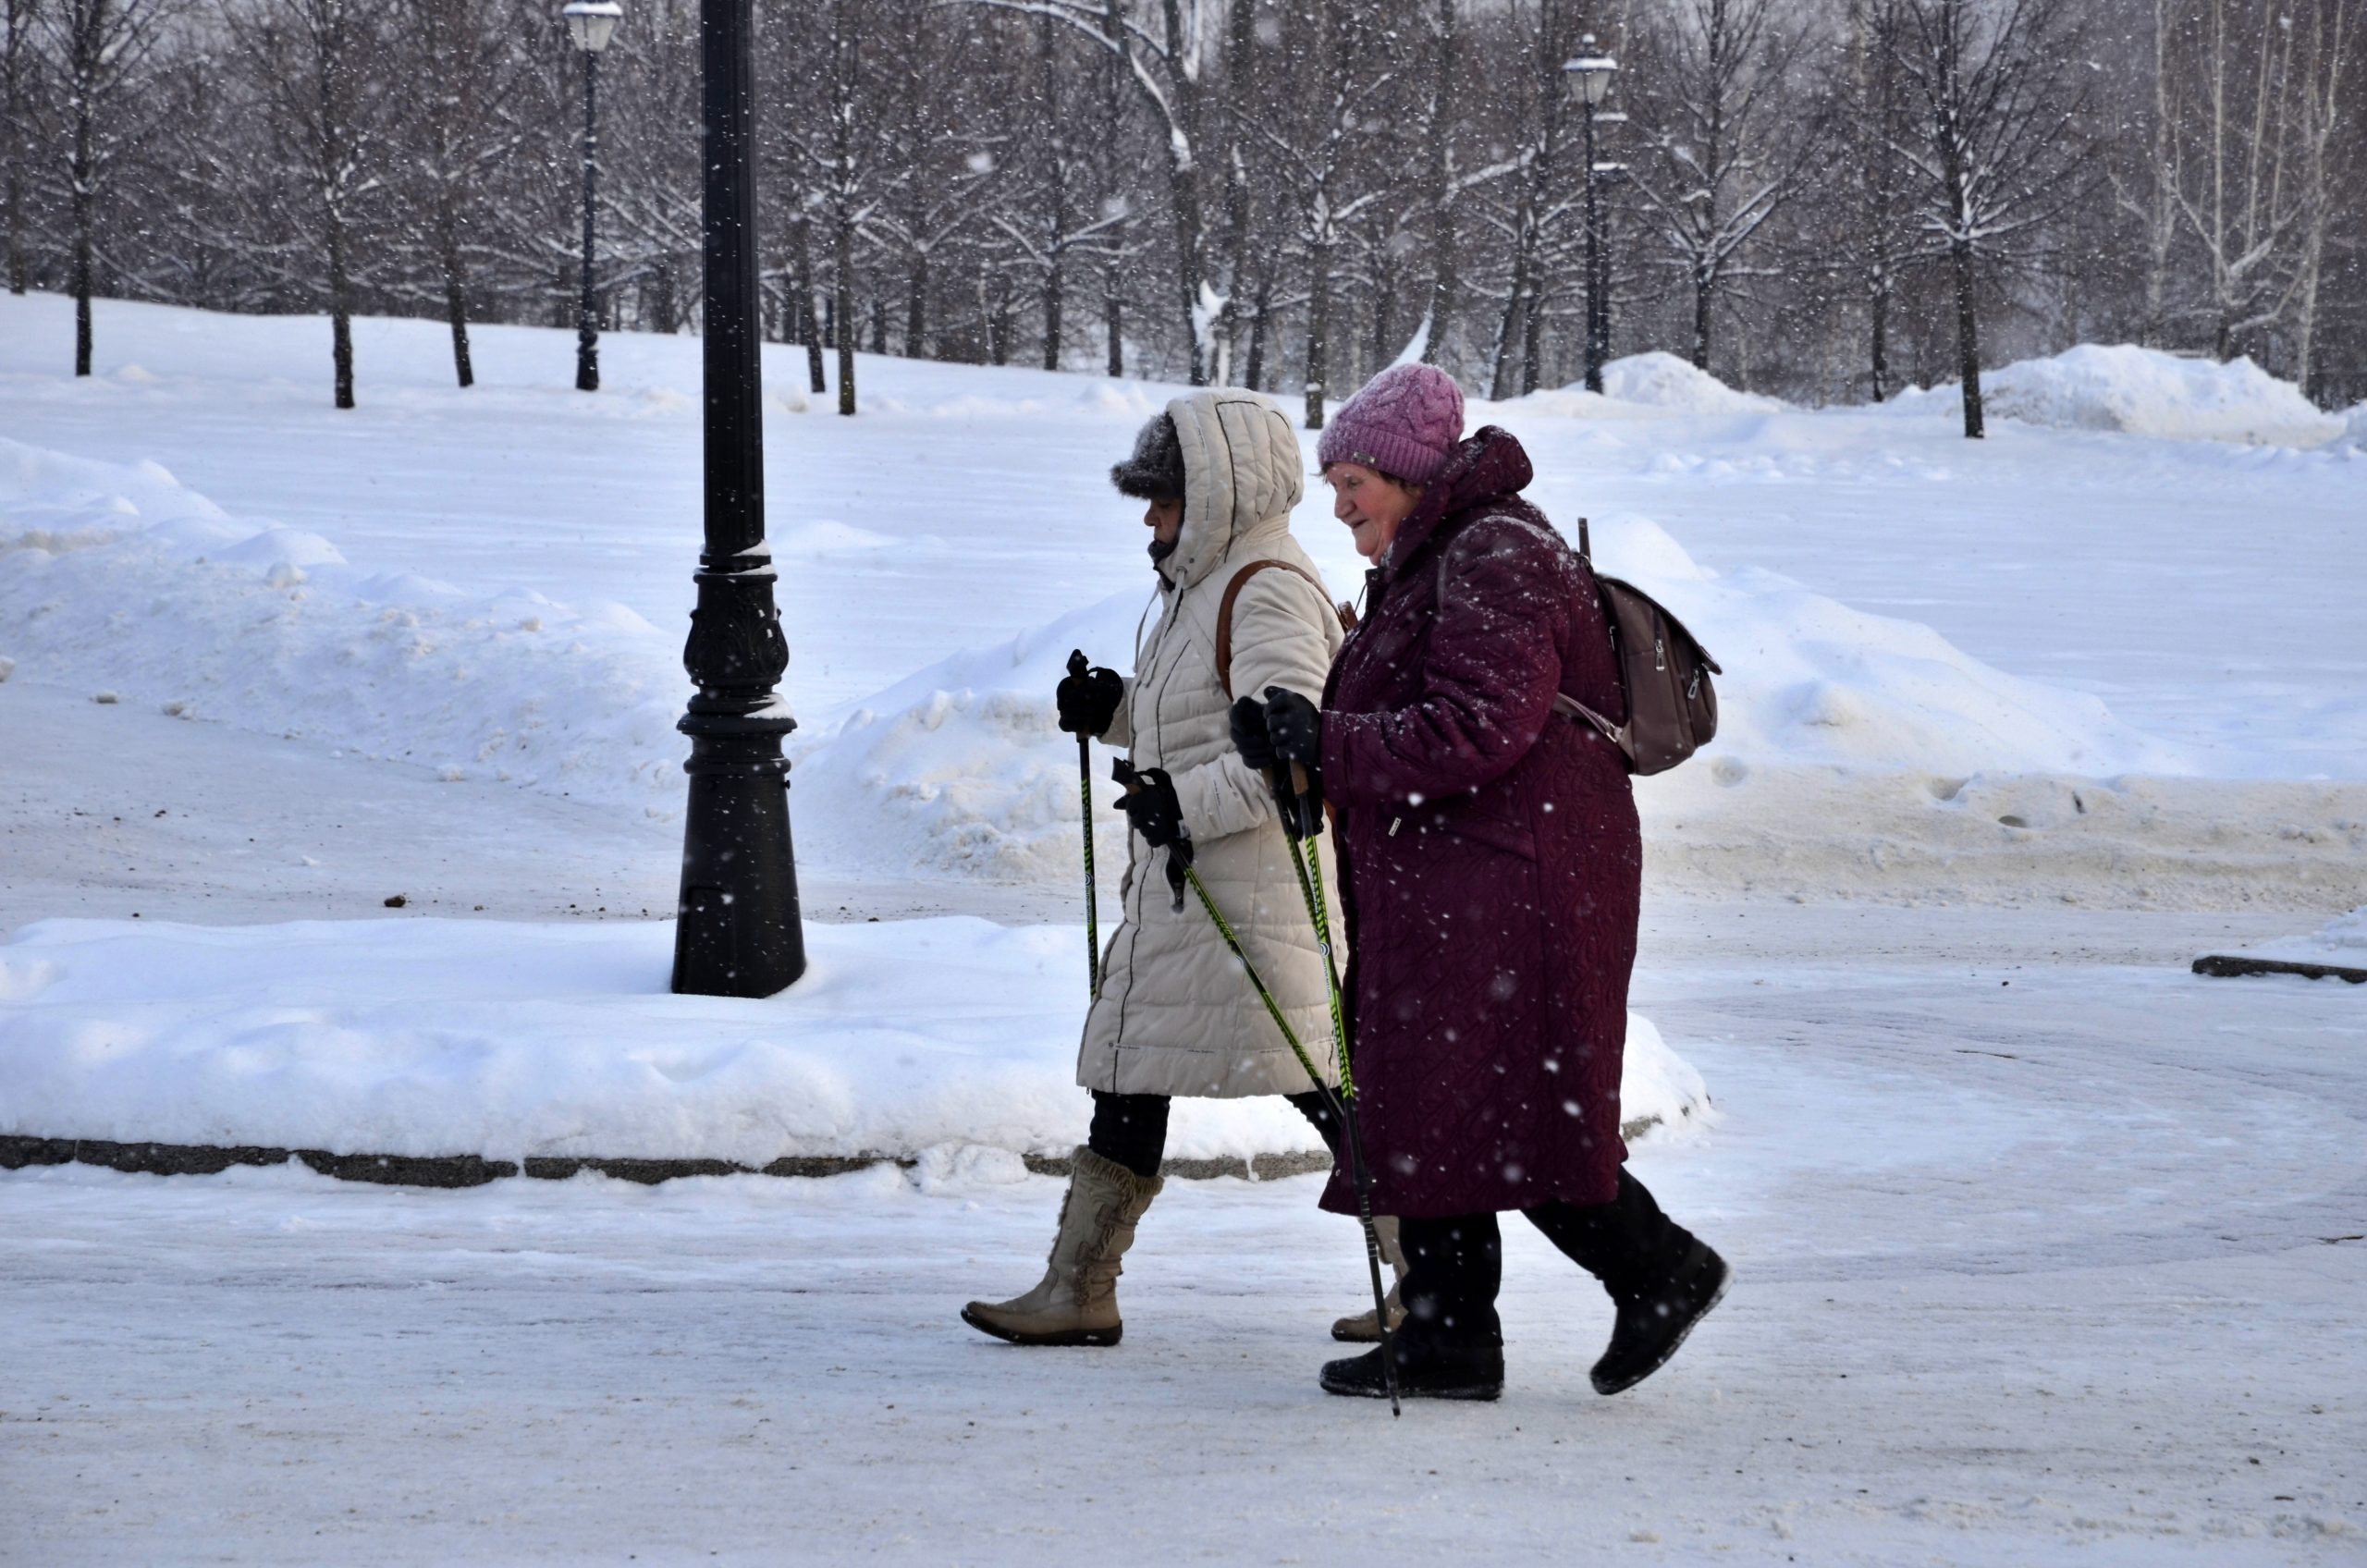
<point>1403,422</point>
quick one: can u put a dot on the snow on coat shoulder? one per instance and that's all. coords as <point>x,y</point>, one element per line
<point>1176,1015</point>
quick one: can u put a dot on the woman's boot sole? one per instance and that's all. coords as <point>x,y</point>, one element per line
<point>1109,1336</point>
<point>1480,1394</point>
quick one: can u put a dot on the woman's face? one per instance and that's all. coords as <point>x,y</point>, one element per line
<point>1370,503</point>
<point>1165,520</point>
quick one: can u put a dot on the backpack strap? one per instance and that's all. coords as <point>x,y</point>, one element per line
<point>1569,707</point>
<point>1224,613</point>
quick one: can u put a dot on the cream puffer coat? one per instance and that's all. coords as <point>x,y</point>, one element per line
<point>1176,1015</point>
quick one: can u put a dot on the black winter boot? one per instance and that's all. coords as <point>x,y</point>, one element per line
<point>1663,1279</point>
<point>1475,1372</point>
<point>1653,1322</point>
<point>1451,1345</point>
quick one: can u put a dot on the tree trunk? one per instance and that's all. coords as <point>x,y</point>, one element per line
<point>808,328</point>
<point>14,112</point>
<point>1260,322</point>
<point>1500,374</point>
<point>916,308</point>
<point>85,198</point>
<point>1967,337</point>
<point>340,310</point>
<point>1704,293</point>
<point>1183,194</point>
<point>1113,312</point>
<point>456,288</point>
<point>843,310</point>
<point>1052,315</point>
<point>1878,333</point>
<point>1442,302</point>
<point>1319,326</point>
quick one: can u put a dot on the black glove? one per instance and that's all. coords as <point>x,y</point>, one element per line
<point>1294,730</point>
<point>1089,699</point>
<point>1152,807</point>
<point>1249,735</point>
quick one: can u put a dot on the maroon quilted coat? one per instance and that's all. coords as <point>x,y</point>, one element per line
<point>1491,857</point>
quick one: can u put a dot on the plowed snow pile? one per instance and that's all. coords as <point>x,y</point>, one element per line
<point>123,580</point>
<point>2145,392</point>
<point>1642,385</point>
<point>442,1036</point>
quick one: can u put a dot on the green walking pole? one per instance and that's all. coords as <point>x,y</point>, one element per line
<point>1078,668</point>
<point>1306,820</point>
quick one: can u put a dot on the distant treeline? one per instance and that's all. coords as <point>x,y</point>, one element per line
<point>1825,199</point>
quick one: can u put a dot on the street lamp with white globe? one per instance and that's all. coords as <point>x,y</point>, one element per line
<point>1589,75</point>
<point>590,23</point>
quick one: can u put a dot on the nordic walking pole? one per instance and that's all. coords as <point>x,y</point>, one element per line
<point>1078,668</point>
<point>1310,815</point>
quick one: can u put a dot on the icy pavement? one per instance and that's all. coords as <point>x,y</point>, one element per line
<point>2038,1259</point>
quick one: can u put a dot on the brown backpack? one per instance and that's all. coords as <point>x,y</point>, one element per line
<point>1664,672</point>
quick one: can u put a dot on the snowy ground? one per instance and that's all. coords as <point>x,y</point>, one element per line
<point>2049,1251</point>
<point>2046,1271</point>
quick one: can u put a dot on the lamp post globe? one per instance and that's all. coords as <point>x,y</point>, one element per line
<point>590,24</point>
<point>1589,74</point>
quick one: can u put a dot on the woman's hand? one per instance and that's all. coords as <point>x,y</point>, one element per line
<point>1249,738</point>
<point>1088,700</point>
<point>1295,732</point>
<point>1294,728</point>
<point>1151,804</point>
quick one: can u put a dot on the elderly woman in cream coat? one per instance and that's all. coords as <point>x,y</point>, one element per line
<point>1242,608</point>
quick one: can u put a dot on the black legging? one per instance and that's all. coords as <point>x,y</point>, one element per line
<point>1454,1264</point>
<point>1132,1129</point>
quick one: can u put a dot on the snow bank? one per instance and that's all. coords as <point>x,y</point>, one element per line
<point>2354,430</point>
<point>2145,392</point>
<point>118,578</point>
<point>1639,386</point>
<point>1809,681</point>
<point>958,770</point>
<point>959,767</point>
<point>441,1037</point>
<point>2342,941</point>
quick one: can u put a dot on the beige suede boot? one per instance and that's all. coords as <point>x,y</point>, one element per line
<point>1076,1300</point>
<point>1364,1328</point>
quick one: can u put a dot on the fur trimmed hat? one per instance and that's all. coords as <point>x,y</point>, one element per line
<point>1156,471</point>
<point>1404,424</point>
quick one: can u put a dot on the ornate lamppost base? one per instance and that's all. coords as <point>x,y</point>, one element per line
<point>739,934</point>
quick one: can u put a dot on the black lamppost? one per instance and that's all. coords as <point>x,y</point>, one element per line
<point>589,24</point>
<point>1591,73</point>
<point>738,933</point>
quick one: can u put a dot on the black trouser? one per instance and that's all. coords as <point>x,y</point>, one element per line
<point>1130,1130</point>
<point>1454,1264</point>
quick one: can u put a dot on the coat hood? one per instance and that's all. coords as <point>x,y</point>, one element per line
<point>1487,466</point>
<point>1241,472</point>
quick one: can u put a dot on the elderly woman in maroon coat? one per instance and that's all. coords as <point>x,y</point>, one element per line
<point>1491,863</point>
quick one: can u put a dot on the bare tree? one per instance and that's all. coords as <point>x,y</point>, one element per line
<point>16,62</point>
<point>1873,110</point>
<point>459,64</point>
<point>1168,69</point>
<point>1050,223</point>
<point>1310,152</point>
<point>309,56</point>
<point>1725,155</point>
<point>103,48</point>
<point>2235,187</point>
<point>2328,108</point>
<point>1993,142</point>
